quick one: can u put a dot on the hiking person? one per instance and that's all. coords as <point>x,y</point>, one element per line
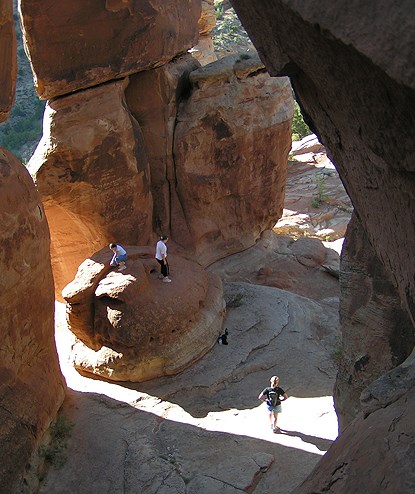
<point>273,395</point>
<point>119,257</point>
<point>161,258</point>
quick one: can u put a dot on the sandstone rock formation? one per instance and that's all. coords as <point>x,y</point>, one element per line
<point>135,326</point>
<point>204,51</point>
<point>153,98</point>
<point>316,202</point>
<point>92,172</point>
<point>8,65</point>
<point>345,61</point>
<point>108,40</point>
<point>31,385</point>
<point>377,333</point>
<point>231,142</point>
<point>303,266</point>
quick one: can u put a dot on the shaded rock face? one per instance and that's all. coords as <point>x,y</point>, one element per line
<point>92,172</point>
<point>353,73</point>
<point>134,326</point>
<point>231,147</point>
<point>108,40</point>
<point>31,385</point>
<point>153,98</point>
<point>8,57</point>
<point>377,333</point>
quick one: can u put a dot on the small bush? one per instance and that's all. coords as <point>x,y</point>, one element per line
<point>55,452</point>
<point>234,302</point>
<point>300,128</point>
<point>321,196</point>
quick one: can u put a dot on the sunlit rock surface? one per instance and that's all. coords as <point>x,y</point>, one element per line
<point>137,327</point>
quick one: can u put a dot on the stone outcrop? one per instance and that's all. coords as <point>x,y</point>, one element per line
<point>153,98</point>
<point>204,51</point>
<point>346,60</point>
<point>377,333</point>
<point>8,58</point>
<point>303,266</point>
<point>108,40</point>
<point>231,143</point>
<point>31,385</point>
<point>134,326</point>
<point>92,172</point>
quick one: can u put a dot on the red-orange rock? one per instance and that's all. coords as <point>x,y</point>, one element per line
<point>91,42</point>
<point>8,60</point>
<point>153,97</point>
<point>31,385</point>
<point>92,172</point>
<point>135,326</point>
<point>231,147</point>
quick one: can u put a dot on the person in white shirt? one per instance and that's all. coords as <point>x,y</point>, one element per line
<point>161,258</point>
<point>119,257</point>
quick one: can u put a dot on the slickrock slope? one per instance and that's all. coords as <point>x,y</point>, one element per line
<point>92,172</point>
<point>353,72</point>
<point>95,42</point>
<point>31,385</point>
<point>203,431</point>
<point>135,326</point>
<point>8,65</point>
<point>231,145</point>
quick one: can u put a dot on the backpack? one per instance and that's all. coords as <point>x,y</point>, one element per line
<point>273,398</point>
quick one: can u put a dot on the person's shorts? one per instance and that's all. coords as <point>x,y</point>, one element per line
<point>276,409</point>
<point>121,258</point>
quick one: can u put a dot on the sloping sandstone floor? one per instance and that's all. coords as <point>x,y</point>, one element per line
<point>204,430</point>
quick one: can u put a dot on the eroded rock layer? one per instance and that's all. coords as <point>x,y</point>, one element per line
<point>377,333</point>
<point>8,60</point>
<point>231,146</point>
<point>92,172</point>
<point>133,326</point>
<point>31,385</point>
<point>94,42</point>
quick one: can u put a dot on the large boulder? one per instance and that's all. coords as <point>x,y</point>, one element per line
<point>134,327</point>
<point>8,65</point>
<point>31,384</point>
<point>231,145</point>
<point>93,175</point>
<point>88,42</point>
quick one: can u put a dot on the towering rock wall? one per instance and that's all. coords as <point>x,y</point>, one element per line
<point>31,385</point>
<point>353,71</point>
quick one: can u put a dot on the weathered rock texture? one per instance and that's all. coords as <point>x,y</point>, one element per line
<point>304,266</point>
<point>92,172</point>
<point>8,59</point>
<point>204,51</point>
<point>153,98</point>
<point>94,42</point>
<point>377,333</point>
<point>353,72</point>
<point>231,146</point>
<point>135,326</point>
<point>31,385</point>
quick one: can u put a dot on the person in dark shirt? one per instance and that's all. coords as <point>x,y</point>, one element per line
<point>273,396</point>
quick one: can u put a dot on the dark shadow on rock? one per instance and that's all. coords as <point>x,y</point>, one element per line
<point>115,447</point>
<point>320,443</point>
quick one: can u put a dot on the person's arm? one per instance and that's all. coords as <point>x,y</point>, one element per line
<point>262,396</point>
<point>285,396</point>
<point>113,258</point>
